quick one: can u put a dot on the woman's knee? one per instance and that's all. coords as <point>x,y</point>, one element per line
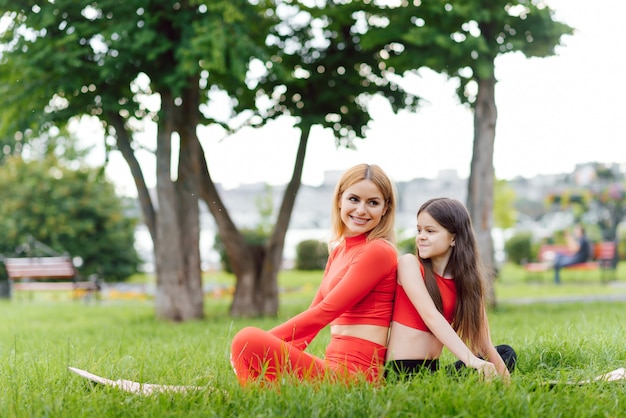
<point>244,337</point>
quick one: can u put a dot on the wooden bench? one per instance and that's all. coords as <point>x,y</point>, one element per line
<point>47,274</point>
<point>604,254</point>
<point>602,258</point>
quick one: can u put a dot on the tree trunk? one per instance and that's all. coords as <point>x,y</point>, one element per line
<point>178,238</point>
<point>276,244</point>
<point>187,186</point>
<point>123,141</point>
<point>256,268</point>
<point>482,179</point>
<point>237,250</point>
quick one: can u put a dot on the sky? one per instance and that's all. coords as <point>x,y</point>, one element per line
<point>553,113</point>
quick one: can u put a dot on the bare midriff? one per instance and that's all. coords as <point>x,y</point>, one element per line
<point>412,344</point>
<point>374,333</point>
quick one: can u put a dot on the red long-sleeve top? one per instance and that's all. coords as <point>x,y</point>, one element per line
<point>358,288</point>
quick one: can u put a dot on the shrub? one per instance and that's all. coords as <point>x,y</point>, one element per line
<point>311,254</point>
<point>407,246</point>
<point>518,248</point>
<point>70,209</point>
<point>255,238</point>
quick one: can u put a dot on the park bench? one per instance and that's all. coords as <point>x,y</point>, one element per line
<point>602,258</point>
<point>32,274</point>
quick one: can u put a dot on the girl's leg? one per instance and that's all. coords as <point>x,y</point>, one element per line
<point>507,353</point>
<point>405,369</point>
<point>258,355</point>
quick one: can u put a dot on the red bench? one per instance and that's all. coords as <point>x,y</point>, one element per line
<point>46,274</point>
<point>602,258</point>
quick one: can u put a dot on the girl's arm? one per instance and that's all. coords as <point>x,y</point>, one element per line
<point>491,354</point>
<point>411,279</point>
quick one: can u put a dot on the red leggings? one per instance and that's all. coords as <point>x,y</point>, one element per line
<point>257,355</point>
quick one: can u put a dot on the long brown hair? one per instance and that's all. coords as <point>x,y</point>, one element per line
<point>386,228</point>
<point>464,266</point>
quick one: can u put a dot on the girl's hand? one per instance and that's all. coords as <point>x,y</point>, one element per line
<point>489,372</point>
<point>486,369</point>
<point>506,377</point>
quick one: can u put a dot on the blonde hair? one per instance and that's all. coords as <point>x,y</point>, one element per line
<point>386,228</point>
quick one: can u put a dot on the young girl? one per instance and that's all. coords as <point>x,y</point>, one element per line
<point>355,296</point>
<point>441,285</point>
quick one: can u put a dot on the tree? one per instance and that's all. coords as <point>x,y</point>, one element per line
<point>113,61</point>
<point>462,40</point>
<point>74,211</point>
<point>110,57</point>
<point>320,75</point>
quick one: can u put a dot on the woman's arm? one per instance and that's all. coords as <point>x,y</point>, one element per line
<point>374,263</point>
<point>411,279</point>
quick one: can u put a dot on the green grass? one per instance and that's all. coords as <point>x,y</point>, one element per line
<point>121,339</point>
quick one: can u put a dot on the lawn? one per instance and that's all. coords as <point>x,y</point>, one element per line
<point>120,338</point>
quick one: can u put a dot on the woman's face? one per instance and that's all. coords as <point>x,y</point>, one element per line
<point>362,206</point>
<point>433,240</point>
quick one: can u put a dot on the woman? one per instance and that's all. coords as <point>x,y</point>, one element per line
<point>355,296</point>
<point>440,286</point>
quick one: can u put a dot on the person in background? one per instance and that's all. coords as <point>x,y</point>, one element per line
<point>355,296</point>
<point>579,251</point>
<point>440,300</point>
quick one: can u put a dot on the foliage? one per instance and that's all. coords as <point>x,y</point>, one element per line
<point>518,248</point>
<point>320,64</point>
<point>69,210</point>
<point>111,60</point>
<point>319,74</point>
<point>602,198</point>
<point>129,64</point>
<point>322,74</point>
<point>311,255</point>
<point>504,212</point>
<point>462,39</point>
<point>102,51</point>
<point>576,201</point>
<point>407,246</point>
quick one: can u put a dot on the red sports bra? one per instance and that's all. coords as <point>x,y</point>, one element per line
<point>405,313</point>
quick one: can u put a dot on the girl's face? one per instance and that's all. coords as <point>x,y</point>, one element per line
<point>362,206</point>
<point>433,240</point>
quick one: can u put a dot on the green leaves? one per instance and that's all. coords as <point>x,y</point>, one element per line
<point>451,37</point>
<point>74,211</point>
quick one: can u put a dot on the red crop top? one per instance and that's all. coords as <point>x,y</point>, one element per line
<point>358,288</point>
<point>405,313</point>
